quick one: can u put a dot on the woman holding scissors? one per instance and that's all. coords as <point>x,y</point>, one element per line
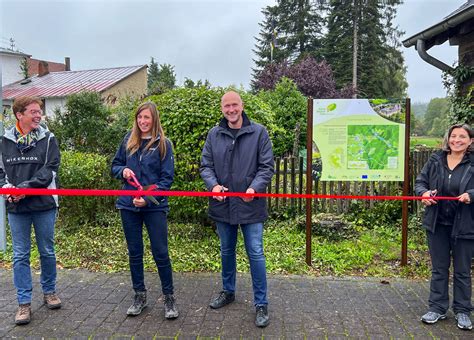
<point>145,158</point>
<point>449,224</point>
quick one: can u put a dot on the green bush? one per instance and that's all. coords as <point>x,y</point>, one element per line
<point>289,108</point>
<point>88,125</point>
<point>80,170</point>
<point>187,114</point>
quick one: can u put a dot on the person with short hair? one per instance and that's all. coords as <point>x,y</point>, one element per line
<point>449,224</point>
<point>147,156</point>
<point>30,159</point>
<point>238,157</point>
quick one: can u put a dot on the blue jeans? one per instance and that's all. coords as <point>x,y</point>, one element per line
<point>157,227</point>
<point>20,226</point>
<point>253,240</point>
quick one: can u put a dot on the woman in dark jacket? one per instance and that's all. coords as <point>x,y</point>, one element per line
<point>30,159</point>
<point>145,158</point>
<point>450,223</point>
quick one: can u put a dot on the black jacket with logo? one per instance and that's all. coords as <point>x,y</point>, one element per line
<point>35,168</point>
<point>432,177</point>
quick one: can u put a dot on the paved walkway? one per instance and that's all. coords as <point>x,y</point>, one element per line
<point>94,306</point>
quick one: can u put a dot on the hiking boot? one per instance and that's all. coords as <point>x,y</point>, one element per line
<point>52,301</point>
<point>464,322</point>
<point>138,305</point>
<point>223,299</point>
<point>432,317</point>
<point>171,311</point>
<point>261,318</point>
<point>23,314</point>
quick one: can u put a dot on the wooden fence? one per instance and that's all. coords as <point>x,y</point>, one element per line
<point>290,177</point>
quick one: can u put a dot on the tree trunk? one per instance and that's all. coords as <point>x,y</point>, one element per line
<point>355,51</point>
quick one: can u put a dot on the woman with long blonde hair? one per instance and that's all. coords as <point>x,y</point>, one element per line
<point>145,158</point>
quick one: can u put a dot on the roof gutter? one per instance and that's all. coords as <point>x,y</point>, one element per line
<point>420,47</point>
<point>441,27</point>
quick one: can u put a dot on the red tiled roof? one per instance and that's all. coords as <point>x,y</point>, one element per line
<point>33,65</point>
<point>61,84</point>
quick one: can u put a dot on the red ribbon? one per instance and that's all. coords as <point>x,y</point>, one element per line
<point>99,192</point>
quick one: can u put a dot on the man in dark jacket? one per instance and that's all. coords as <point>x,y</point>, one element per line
<point>30,159</point>
<point>238,157</point>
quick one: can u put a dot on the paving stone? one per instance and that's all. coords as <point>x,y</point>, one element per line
<point>95,304</point>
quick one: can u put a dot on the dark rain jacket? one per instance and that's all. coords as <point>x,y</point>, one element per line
<point>239,163</point>
<point>432,177</point>
<point>35,168</point>
<point>149,168</point>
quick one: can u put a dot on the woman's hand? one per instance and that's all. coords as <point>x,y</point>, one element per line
<point>127,173</point>
<point>464,198</point>
<point>429,197</point>
<point>139,202</point>
<point>12,198</point>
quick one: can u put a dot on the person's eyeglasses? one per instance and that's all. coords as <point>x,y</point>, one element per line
<point>36,112</point>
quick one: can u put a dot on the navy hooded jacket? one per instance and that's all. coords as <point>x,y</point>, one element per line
<point>149,168</point>
<point>238,163</point>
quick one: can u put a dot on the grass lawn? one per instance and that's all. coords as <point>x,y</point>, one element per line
<point>430,142</point>
<point>195,248</point>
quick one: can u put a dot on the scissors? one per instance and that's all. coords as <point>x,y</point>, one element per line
<point>133,181</point>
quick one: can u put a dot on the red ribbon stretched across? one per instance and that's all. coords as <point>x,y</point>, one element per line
<point>99,192</point>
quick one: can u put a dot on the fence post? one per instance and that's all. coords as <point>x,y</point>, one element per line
<point>309,182</point>
<point>406,185</point>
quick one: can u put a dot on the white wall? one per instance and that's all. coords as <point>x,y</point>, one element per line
<point>52,103</point>
<point>11,71</point>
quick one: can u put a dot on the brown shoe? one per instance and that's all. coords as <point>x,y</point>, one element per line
<point>23,314</point>
<point>52,301</point>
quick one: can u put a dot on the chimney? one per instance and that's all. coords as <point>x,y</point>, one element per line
<point>67,63</point>
<point>43,68</point>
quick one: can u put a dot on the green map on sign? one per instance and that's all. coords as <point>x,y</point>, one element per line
<point>373,147</point>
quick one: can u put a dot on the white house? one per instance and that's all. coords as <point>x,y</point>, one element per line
<point>10,62</point>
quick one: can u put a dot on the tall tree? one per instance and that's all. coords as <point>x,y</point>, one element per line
<point>153,73</point>
<point>290,30</point>
<point>362,46</point>
<point>436,115</point>
<point>161,78</point>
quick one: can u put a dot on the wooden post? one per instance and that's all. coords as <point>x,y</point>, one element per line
<point>309,181</point>
<point>406,184</point>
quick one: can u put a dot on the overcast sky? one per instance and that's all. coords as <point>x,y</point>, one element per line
<point>203,39</point>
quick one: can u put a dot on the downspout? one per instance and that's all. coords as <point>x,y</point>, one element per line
<point>420,47</point>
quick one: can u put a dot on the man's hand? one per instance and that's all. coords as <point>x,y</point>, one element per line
<point>249,191</point>
<point>219,188</point>
<point>429,197</point>
<point>127,173</point>
<point>139,202</point>
<point>464,198</point>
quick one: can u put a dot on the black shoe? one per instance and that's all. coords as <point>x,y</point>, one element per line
<point>223,299</point>
<point>261,318</point>
<point>171,311</point>
<point>139,303</point>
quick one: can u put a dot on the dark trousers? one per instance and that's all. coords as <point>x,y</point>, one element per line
<point>157,227</point>
<point>442,247</point>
